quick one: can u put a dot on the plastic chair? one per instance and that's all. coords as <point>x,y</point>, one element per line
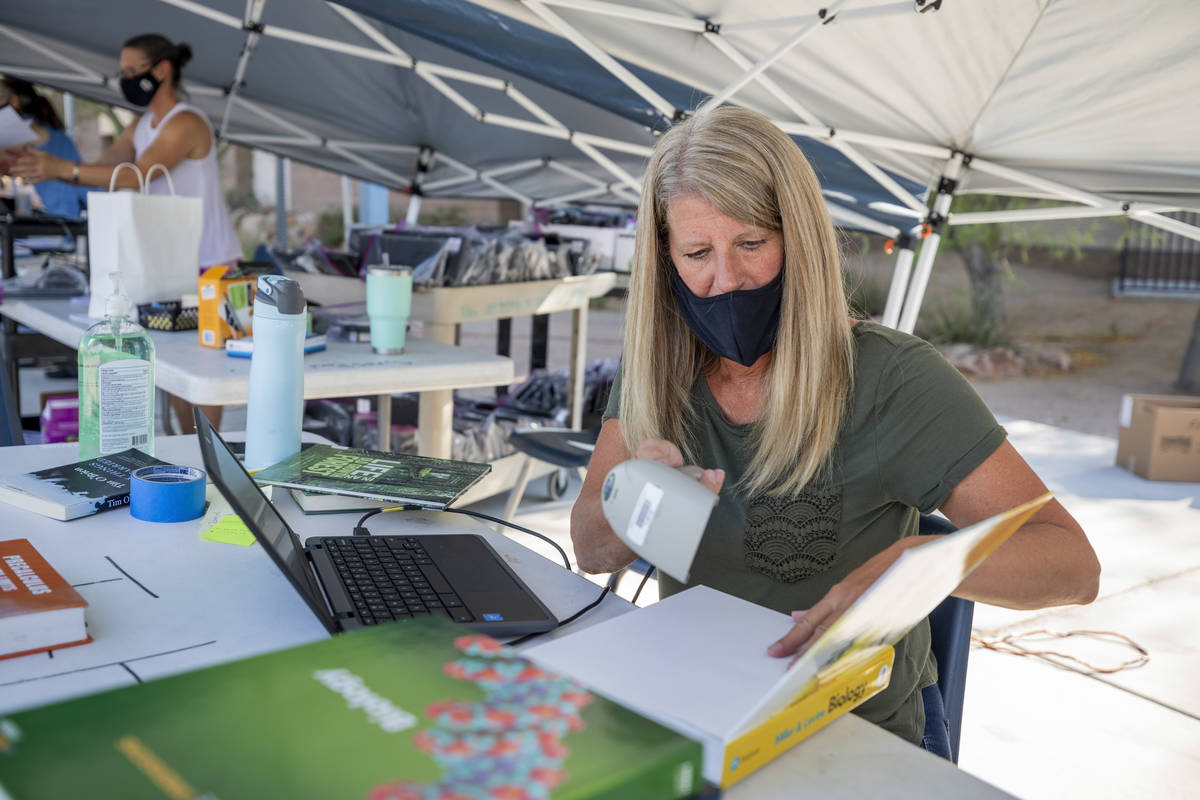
<point>950,640</point>
<point>11,432</point>
<point>565,448</point>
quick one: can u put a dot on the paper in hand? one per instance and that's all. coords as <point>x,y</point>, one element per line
<point>14,131</point>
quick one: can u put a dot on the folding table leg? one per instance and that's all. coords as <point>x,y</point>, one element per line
<point>518,489</point>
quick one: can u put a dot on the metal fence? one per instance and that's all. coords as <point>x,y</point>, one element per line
<point>1155,263</point>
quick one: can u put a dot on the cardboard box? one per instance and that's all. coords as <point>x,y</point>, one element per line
<point>226,303</point>
<point>1159,437</point>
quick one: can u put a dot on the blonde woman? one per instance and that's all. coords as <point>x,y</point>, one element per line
<point>823,436</point>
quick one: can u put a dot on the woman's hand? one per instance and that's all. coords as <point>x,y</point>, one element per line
<point>36,166</point>
<point>811,624</point>
<point>665,452</point>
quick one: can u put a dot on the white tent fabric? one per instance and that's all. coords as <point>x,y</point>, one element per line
<point>1100,96</point>
<point>1090,104</point>
<point>321,83</point>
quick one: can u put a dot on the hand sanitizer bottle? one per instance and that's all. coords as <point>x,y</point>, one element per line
<point>116,382</point>
<point>275,408</point>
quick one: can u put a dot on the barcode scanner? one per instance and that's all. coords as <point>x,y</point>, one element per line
<point>659,512</point>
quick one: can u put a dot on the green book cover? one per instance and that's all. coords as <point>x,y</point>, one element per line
<point>433,482</point>
<point>414,710</point>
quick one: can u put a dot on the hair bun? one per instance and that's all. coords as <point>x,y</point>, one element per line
<point>183,54</point>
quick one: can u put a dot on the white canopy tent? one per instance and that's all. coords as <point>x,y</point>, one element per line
<point>322,83</point>
<point>1090,103</point>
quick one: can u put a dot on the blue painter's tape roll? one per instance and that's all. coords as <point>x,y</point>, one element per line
<point>166,494</point>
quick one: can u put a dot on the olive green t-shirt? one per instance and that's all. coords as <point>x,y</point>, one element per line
<point>913,429</point>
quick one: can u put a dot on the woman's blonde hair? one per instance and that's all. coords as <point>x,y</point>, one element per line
<point>745,167</point>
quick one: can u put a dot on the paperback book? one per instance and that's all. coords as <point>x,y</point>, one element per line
<point>39,610</point>
<point>76,490</point>
<point>396,478</point>
<point>324,503</point>
<point>408,711</point>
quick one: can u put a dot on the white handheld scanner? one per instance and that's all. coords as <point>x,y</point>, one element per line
<point>658,512</point>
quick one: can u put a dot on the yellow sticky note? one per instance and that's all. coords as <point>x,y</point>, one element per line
<point>221,524</point>
<point>229,530</point>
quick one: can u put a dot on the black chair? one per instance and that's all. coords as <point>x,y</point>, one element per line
<point>565,448</point>
<point>950,640</point>
<point>10,415</point>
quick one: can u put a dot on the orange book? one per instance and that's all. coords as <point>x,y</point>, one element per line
<point>38,609</point>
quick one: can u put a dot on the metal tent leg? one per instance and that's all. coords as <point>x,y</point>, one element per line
<point>937,220</point>
<point>900,278</point>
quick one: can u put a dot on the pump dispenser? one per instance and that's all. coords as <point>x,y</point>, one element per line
<point>116,382</point>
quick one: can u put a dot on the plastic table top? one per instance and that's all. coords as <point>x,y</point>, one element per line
<point>162,601</point>
<point>206,376</point>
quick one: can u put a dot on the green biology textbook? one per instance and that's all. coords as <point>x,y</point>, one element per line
<point>414,710</point>
<point>432,482</point>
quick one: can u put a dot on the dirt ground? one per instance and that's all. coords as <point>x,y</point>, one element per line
<point>1117,345</point>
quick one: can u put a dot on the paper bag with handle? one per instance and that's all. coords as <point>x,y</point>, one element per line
<point>152,239</point>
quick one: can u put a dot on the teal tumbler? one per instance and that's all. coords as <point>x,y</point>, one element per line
<point>389,302</point>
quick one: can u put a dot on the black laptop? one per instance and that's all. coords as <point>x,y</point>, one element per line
<point>352,581</point>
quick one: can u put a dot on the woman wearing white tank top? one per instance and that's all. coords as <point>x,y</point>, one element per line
<point>171,133</point>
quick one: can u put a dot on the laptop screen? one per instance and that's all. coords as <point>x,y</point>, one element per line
<point>259,515</point>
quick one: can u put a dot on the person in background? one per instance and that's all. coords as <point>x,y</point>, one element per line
<point>59,198</point>
<point>172,133</point>
<point>824,436</point>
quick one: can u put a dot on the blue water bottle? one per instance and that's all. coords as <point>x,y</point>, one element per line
<point>276,404</point>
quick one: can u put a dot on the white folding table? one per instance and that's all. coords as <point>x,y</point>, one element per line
<point>162,601</point>
<point>206,376</point>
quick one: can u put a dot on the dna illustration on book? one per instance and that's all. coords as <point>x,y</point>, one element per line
<point>510,745</point>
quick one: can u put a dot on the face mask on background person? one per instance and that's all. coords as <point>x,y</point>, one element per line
<point>740,326</point>
<point>139,89</point>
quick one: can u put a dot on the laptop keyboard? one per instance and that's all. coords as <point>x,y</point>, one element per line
<point>392,577</point>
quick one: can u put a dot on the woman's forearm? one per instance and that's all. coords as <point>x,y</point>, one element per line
<point>1041,565</point>
<point>597,548</point>
<point>95,175</point>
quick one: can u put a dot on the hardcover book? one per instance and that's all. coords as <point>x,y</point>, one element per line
<point>76,490</point>
<point>409,711</point>
<point>38,609</point>
<point>396,478</point>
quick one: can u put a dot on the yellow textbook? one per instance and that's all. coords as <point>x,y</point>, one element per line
<point>697,663</point>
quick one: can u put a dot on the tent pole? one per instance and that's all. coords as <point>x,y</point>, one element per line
<point>252,24</point>
<point>69,113</point>
<point>865,164</point>
<point>615,68</point>
<point>414,209</point>
<point>815,21</point>
<point>900,278</point>
<point>1175,226</point>
<point>937,220</point>
<point>281,201</point>
<point>347,211</point>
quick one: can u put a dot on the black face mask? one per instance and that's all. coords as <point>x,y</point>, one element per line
<point>740,326</point>
<point>140,89</point>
